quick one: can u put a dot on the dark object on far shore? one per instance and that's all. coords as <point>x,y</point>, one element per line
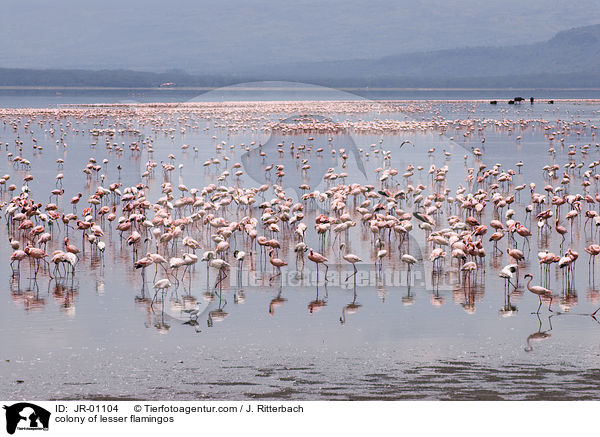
<point>518,99</point>
<point>511,102</point>
<point>551,102</point>
<point>493,102</point>
<point>531,100</point>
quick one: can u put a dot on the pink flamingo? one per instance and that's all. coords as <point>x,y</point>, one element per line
<point>278,263</point>
<point>317,258</point>
<point>540,291</point>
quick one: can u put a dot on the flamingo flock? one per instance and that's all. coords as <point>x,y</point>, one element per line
<point>401,214</point>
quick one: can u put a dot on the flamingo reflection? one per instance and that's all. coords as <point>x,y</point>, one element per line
<point>539,335</point>
<point>508,309</point>
<point>277,301</point>
<point>219,314</point>
<point>351,308</point>
<point>317,304</point>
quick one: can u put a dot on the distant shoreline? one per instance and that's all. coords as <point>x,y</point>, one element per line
<point>279,88</point>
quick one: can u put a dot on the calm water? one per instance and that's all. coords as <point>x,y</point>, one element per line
<point>95,336</point>
<point>20,98</point>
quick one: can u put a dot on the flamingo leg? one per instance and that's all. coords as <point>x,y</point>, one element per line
<point>353,274</point>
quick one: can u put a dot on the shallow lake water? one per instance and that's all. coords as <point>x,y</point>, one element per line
<point>97,334</point>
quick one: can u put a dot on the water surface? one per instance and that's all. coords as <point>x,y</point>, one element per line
<point>95,336</point>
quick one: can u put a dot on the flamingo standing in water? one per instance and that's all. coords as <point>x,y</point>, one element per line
<point>507,273</point>
<point>70,247</point>
<point>161,285</point>
<point>540,291</point>
<point>142,263</point>
<point>18,256</point>
<point>278,263</point>
<point>38,255</point>
<point>220,265</point>
<point>594,251</point>
<point>317,258</point>
<point>468,268</point>
<point>352,259</point>
<point>525,233</point>
<point>409,260</point>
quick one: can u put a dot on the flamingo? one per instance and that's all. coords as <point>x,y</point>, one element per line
<point>70,247</point>
<point>352,259</point>
<point>161,285</point>
<point>18,256</point>
<point>317,258</point>
<point>278,263</point>
<point>539,291</point>
<point>507,273</point>
<point>221,266</point>
<point>594,251</point>
<point>37,254</point>
<point>468,268</point>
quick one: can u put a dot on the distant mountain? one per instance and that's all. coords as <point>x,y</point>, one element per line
<point>570,59</point>
<point>570,51</point>
<point>232,36</point>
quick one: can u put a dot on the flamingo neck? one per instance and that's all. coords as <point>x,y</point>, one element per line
<point>529,283</point>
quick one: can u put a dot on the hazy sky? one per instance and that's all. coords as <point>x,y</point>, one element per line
<point>201,36</point>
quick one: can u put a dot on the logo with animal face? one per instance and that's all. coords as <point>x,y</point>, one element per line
<point>26,416</point>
